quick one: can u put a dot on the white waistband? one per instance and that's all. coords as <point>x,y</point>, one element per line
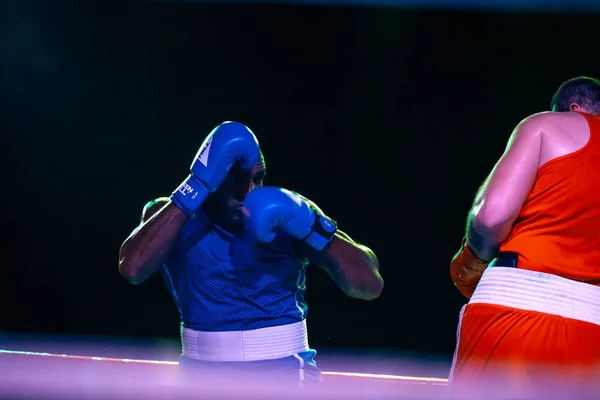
<point>253,345</point>
<point>538,291</point>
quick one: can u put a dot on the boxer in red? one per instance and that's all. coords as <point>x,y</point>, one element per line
<point>530,261</point>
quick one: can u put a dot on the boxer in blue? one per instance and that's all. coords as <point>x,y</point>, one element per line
<point>234,254</point>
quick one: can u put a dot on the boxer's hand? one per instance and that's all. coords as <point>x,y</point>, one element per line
<point>466,270</point>
<point>269,209</point>
<point>227,144</point>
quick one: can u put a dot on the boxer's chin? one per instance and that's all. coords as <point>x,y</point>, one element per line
<point>235,218</point>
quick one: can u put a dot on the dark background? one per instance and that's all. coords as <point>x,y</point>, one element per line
<point>388,118</point>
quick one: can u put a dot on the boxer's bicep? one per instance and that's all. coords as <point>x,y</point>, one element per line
<point>503,194</point>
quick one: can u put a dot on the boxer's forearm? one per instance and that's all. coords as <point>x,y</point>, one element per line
<point>353,267</point>
<point>146,248</point>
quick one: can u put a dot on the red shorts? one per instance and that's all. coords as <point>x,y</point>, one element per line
<point>528,334</point>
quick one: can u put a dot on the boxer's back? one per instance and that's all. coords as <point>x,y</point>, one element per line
<point>558,228</point>
<point>226,282</point>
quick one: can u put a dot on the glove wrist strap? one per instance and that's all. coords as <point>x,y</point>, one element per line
<point>322,232</point>
<point>190,195</point>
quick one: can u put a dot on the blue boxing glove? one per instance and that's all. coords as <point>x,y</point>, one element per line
<point>269,209</point>
<point>227,144</point>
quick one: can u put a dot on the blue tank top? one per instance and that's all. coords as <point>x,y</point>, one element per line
<point>226,282</point>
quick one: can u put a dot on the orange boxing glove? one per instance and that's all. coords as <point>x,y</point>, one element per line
<point>466,270</point>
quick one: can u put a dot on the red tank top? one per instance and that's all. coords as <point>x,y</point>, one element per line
<point>558,228</point>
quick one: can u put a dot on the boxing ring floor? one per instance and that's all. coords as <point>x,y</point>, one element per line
<point>46,375</point>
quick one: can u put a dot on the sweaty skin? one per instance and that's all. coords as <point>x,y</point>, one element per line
<point>535,141</point>
<point>149,244</point>
<point>352,266</point>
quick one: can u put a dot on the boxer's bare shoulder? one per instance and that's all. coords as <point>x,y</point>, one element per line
<point>563,133</point>
<point>536,140</point>
<point>560,133</point>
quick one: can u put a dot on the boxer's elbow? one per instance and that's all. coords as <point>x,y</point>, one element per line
<point>370,291</point>
<point>485,223</point>
<point>131,268</point>
<point>366,285</point>
<point>376,281</point>
<point>374,291</point>
<point>491,217</point>
<point>131,273</point>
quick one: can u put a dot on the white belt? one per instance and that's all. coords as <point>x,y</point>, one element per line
<point>252,345</point>
<point>538,291</point>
